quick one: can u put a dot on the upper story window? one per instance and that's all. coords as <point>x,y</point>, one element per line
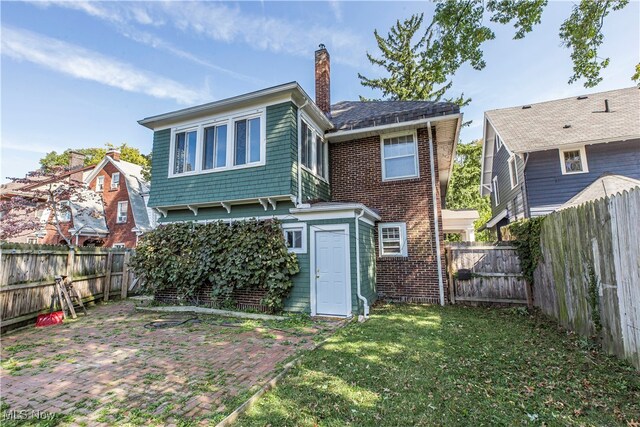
<point>100,183</point>
<point>214,153</point>
<point>122,212</point>
<point>573,160</point>
<point>399,157</point>
<point>513,171</point>
<point>498,142</point>
<point>247,141</point>
<point>393,239</point>
<point>313,151</point>
<point>184,158</point>
<point>219,144</point>
<point>64,211</point>
<point>115,180</point>
<point>496,194</point>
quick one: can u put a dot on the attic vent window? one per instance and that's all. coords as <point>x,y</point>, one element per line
<point>526,107</point>
<point>583,97</point>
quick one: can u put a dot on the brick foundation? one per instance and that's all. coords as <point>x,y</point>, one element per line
<point>356,176</point>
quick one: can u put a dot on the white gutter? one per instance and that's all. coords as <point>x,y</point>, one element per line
<point>300,153</point>
<point>365,303</point>
<point>435,214</point>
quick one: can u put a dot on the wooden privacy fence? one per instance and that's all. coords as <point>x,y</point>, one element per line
<point>591,264</point>
<point>27,277</point>
<point>483,272</point>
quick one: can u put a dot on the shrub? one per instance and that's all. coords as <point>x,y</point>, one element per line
<point>244,255</point>
<point>527,242</point>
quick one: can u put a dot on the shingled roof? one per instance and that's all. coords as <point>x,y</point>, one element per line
<point>569,121</point>
<point>349,115</point>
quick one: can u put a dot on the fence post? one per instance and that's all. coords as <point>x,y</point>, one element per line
<point>529,290</point>
<point>452,296</point>
<point>125,276</point>
<point>107,277</point>
<point>71,257</point>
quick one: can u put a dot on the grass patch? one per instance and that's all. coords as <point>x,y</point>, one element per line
<point>423,366</point>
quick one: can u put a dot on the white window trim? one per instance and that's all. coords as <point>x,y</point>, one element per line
<point>228,120</point>
<point>115,186</point>
<point>297,226</point>
<point>498,141</point>
<point>67,214</point>
<point>495,189</point>
<point>100,180</point>
<point>583,159</point>
<point>118,246</point>
<point>403,239</point>
<point>513,170</point>
<point>325,145</point>
<point>416,155</point>
<point>126,213</point>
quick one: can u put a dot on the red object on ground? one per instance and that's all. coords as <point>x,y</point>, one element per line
<point>49,319</point>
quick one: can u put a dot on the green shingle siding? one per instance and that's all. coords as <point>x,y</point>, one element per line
<point>272,179</point>
<point>220,213</point>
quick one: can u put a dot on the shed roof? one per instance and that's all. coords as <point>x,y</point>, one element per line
<point>605,186</point>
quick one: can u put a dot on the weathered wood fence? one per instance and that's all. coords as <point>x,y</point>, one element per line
<point>494,275</point>
<point>27,277</point>
<point>591,263</point>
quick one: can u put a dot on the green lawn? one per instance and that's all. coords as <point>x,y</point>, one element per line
<point>416,365</point>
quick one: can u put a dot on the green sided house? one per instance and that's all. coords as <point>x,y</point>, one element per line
<point>358,186</point>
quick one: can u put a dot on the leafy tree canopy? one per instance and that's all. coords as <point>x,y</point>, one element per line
<point>93,156</point>
<point>420,62</point>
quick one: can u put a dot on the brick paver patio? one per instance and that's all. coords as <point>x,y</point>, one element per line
<point>108,369</point>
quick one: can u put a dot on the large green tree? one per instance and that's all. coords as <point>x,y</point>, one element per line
<point>419,63</point>
<point>94,155</point>
<point>463,192</point>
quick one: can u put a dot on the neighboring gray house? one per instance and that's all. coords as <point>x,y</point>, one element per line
<point>537,157</point>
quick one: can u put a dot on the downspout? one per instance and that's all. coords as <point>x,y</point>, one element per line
<point>300,153</point>
<point>361,297</point>
<point>435,214</point>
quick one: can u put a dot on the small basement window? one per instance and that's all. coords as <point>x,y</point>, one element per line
<point>573,160</point>
<point>393,239</point>
<point>295,237</point>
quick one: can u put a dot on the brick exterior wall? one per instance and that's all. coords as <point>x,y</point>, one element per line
<point>323,80</point>
<point>245,299</point>
<point>118,232</point>
<point>356,176</point>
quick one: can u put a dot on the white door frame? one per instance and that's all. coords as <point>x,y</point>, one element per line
<point>312,260</point>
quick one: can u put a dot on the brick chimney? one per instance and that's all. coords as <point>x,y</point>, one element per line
<point>114,154</point>
<point>76,161</point>
<point>323,79</point>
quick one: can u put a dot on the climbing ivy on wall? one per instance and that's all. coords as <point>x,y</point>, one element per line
<point>526,233</point>
<point>244,255</point>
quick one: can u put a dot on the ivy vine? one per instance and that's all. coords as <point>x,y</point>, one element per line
<point>223,258</point>
<point>527,242</point>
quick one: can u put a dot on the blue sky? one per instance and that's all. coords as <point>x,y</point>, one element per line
<point>81,74</point>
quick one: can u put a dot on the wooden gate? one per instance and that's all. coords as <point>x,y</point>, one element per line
<point>483,272</point>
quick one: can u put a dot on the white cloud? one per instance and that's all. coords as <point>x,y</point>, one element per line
<point>228,24</point>
<point>85,64</point>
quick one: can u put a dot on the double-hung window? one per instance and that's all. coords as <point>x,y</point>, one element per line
<point>393,239</point>
<point>314,151</point>
<point>247,141</point>
<point>513,171</point>
<point>115,180</point>
<point>573,160</point>
<point>295,237</point>
<point>399,157</point>
<point>214,154</point>
<point>184,158</point>
<point>122,212</point>
<point>64,211</point>
<point>100,183</point>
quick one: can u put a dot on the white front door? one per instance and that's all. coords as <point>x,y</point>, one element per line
<point>332,271</point>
